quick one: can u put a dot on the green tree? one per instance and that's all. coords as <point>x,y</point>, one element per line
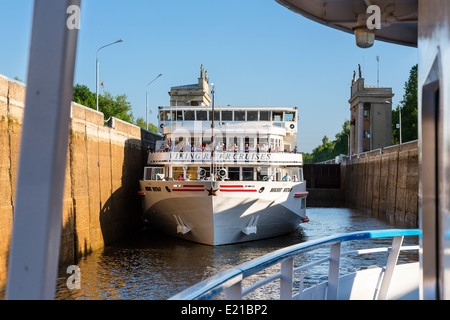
<point>117,107</point>
<point>409,111</point>
<point>110,106</point>
<point>83,96</point>
<point>140,122</point>
<point>330,149</point>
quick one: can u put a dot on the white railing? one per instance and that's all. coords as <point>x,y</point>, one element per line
<point>230,281</point>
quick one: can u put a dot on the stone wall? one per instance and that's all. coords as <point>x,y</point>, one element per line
<point>385,183</point>
<point>104,165</point>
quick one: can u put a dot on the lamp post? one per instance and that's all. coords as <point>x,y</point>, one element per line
<point>97,73</point>
<point>146,101</point>
<point>348,142</point>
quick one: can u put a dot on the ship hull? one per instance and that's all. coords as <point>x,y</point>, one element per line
<point>218,213</point>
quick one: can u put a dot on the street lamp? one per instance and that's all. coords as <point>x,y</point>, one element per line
<point>348,142</point>
<point>146,101</point>
<point>97,74</point>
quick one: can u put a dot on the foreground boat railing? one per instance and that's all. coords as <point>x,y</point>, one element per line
<point>230,281</point>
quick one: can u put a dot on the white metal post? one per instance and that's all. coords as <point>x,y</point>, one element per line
<point>390,267</point>
<point>333,273</point>
<point>234,292</point>
<point>35,241</point>
<point>287,279</point>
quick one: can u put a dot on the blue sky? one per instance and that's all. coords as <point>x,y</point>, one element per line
<point>256,52</point>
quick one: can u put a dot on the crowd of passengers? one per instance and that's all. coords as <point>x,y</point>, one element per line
<point>205,147</point>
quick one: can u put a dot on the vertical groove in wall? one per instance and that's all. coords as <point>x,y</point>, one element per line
<point>72,194</point>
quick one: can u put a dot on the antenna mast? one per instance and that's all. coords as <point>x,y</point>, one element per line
<point>212,175</point>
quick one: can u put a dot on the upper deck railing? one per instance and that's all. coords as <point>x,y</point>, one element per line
<point>231,281</point>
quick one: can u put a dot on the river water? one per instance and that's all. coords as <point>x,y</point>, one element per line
<point>152,266</point>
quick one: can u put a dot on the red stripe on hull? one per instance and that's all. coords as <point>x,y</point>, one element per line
<point>232,186</point>
<point>237,190</point>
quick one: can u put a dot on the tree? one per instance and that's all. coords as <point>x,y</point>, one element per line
<point>110,106</point>
<point>83,96</point>
<point>409,111</point>
<point>330,149</point>
<point>140,122</point>
<point>117,107</point>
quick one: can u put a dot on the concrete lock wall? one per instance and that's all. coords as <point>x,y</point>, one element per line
<point>385,183</point>
<point>104,165</point>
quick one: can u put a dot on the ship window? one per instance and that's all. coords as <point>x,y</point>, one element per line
<point>239,116</point>
<point>179,115</point>
<point>216,115</point>
<point>166,115</point>
<point>178,173</point>
<point>206,171</point>
<point>289,116</point>
<point>233,173</point>
<point>247,174</point>
<point>227,115</point>
<point>202,115</point>
<point>277,116</point>
<point>189,115</point>
<point>252,115</point>
<point>264,115</point>
<point>262,174</point>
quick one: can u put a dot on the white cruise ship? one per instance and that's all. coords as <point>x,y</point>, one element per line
<point>224,175</point>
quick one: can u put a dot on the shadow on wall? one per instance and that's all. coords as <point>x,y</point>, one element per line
<point>121,214</point>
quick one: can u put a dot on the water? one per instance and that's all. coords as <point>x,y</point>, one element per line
<point>152,266</point>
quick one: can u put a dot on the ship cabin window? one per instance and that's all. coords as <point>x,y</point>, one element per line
<point>179,115</point>
<point>233,173</point>
<point>189,115</point>
<point>264,115</point>
<point>247,174</point>
<point>165,115</point>
<point>202,116</point>
<point>252,115</point>
<point>277,116</point>
<point>216,115</point>
<point>178,173</point>
<point>206,171</point>
<point>295,173</point>
<point>239,116</point>
<point>289,116</point>
<point>262,174</point>
<point>227,115</point>
<point>153,173</point>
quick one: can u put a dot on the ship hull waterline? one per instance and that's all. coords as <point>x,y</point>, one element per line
<point>219,213</point>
